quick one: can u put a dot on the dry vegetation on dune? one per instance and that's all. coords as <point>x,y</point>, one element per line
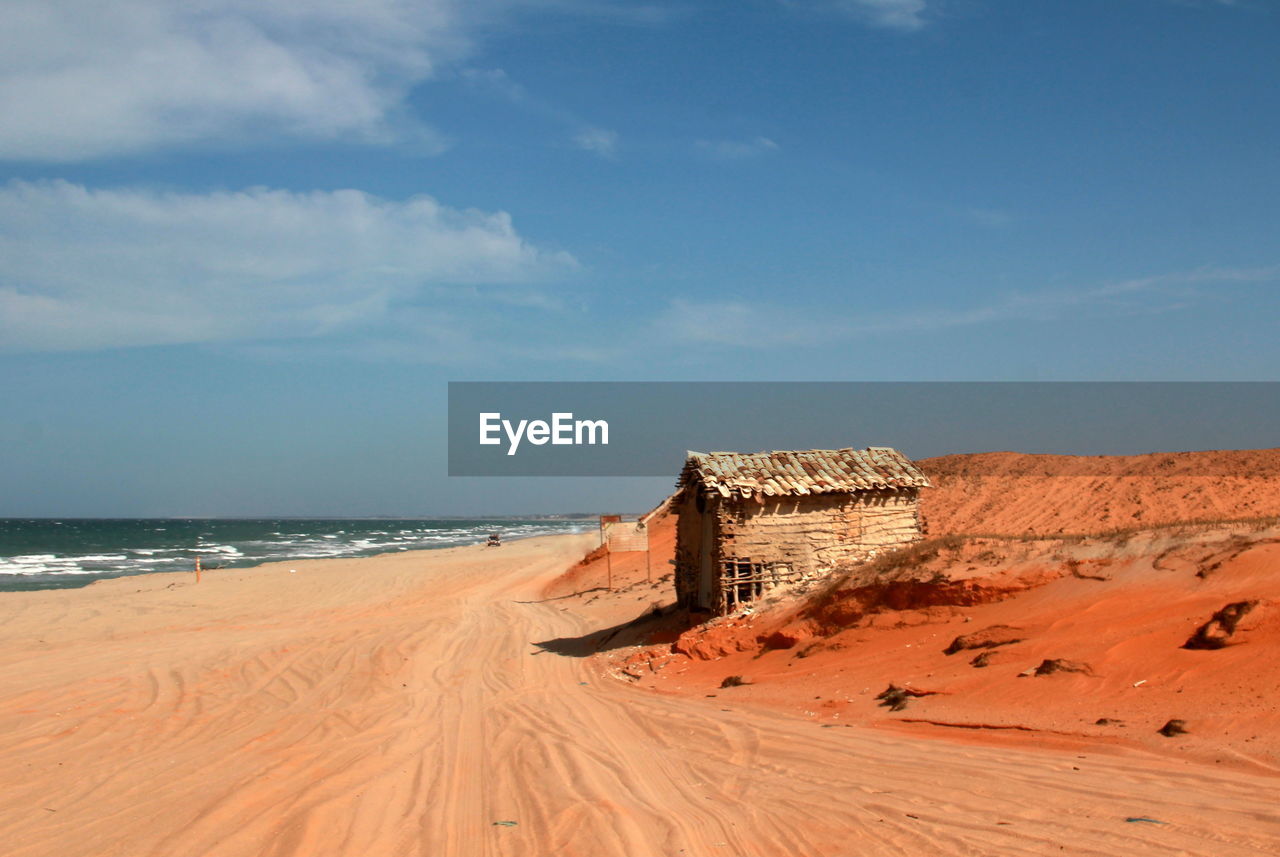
<point>1016,494</point>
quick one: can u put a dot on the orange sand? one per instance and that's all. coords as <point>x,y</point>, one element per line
<point>1008,493</point>
<point>1124,620</point>
<point>1116,605</point>
<point>402,705</point>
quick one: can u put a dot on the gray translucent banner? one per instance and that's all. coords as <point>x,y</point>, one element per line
<point>650,425</point>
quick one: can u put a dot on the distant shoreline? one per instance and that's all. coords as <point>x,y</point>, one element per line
<point>69,553</point>
<point>574,517</point>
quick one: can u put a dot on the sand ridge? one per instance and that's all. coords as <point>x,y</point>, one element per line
<point>1017,493</point>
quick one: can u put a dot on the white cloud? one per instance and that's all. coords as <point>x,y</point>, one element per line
<point>599,140</point>
<point>84,78</point>
<point>891,14</point>
<point>758,325</point>
<point>84,269</point>
<point>736,150</point>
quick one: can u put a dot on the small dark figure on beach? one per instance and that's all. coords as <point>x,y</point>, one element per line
<point>495,541</point>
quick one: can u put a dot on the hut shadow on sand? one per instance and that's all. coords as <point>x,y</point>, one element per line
<point>665,622</point>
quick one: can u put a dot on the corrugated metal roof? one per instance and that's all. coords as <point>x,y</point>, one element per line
<point>809,471</point>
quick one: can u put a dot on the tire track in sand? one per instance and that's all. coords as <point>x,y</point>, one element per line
<point>398,706</point>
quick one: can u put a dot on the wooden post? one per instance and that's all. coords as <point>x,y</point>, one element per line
<point>605,521</point>
<point>648,567</point>
<point>197,569</point>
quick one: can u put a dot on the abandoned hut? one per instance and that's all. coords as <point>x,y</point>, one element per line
<point>746,523</point>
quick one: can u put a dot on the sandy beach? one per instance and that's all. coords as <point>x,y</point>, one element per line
<point>401,705</point>
<point>640,428</point>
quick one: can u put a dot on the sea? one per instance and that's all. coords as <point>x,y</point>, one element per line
<point>44,553</point>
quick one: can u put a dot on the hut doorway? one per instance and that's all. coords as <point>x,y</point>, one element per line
<point>706,560</point>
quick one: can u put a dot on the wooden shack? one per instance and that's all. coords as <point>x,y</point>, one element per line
<point>747,523</point>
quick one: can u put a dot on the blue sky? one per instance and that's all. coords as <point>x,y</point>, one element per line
<point>243,246</point>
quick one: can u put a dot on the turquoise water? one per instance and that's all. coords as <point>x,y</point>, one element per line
<point>53,554</point>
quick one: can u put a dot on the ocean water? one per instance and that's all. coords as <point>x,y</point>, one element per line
<point>54,554</point>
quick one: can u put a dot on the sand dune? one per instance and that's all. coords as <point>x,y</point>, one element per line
<point>401,706</point>
<point>1014,493</point>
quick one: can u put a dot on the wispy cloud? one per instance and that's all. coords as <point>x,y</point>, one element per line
<point>582,134</point>
<point>993,218</point>
<point>495,80</point>
<point>758,325</point>
<point>83,269</point>
<point>599,140</point>
<point>737,150</point>
<point>1264,7</point>
<point>905,15</point>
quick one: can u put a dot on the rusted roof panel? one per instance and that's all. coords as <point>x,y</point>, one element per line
<point>809,471</point>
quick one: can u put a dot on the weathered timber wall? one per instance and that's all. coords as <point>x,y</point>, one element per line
<point>815,532</point>
<point>691,531</point>
<point>810,533</point>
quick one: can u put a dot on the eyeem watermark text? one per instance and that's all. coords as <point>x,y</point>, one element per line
<point>563,430</point>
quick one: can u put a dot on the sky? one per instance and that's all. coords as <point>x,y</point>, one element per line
<point>244,246</point>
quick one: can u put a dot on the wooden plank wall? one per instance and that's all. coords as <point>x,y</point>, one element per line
<point>815,532</point>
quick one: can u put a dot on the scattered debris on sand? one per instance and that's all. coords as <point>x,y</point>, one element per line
<point>1076,567</point>
<point>1217,632</point>
<point>733,681</point>
<point>1173,727</point>
<point>895,698</point>
<point>778,640</point>
<point>1049,666</point>
<point>987,638</point>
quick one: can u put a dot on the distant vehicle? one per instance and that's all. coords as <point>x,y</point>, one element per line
<point>495,541</point>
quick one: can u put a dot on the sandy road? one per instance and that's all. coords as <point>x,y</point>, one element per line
<point>400,706</point>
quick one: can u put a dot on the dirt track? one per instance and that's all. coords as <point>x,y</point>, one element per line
<point>401,706</point>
